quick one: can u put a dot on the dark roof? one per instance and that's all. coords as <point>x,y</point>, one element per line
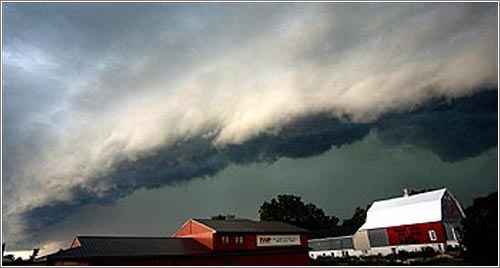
<point>334,232</point>
<point>249,226</point>
<point>109,246</point>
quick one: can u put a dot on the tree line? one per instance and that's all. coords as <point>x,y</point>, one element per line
<point>291,209</point>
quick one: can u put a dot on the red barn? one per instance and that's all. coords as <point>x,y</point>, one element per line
<point>198,242</point>
<point>411,222</point>
<point>246,242</point>
<point>430,219</point>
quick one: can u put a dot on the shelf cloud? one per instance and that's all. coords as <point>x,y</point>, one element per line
<point>104,99</point>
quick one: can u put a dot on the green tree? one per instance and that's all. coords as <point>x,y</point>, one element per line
<point>481,230</point>
<point>358,218</point>
<point>413,192</point>
<point>290,209</point>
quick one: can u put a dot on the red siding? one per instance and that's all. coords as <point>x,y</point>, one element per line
<point>450,210</point>
<point>249,242</point>
<point>416,234</point>
<point>198,232</point>
<point>245,254</point>
<point>72,263</point>
<point>276,259</point>
<point>207,237</point>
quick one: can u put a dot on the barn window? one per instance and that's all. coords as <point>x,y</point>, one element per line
<point>238,239</point>
<point>432,235</point>
<point>225,239</point>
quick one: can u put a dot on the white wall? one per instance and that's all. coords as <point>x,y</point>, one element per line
<point>335,253</point>
<point>439,247</point>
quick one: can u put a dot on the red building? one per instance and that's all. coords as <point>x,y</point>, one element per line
<point>430,219</point>
<point>198,242</point>
<point>411,223</point>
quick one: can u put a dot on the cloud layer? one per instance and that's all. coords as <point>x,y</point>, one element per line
<point>101,99</point>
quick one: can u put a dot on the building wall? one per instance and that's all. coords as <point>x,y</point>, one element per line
<point>274,259</point>
<point>410,248</point>
<point>255,259</point>
<point>453,231</point>
<point>198,232</point>
<point>75,243</point>
<point>338,253</point>
<point>361,241</point>
<point>69,263</point>
<point>378,237</point>
<point>452,219</point>
<point>332,243</point>
<point>249,242</point>
<point>383,251</point>
<point>450,210</point>
<point>416,234</point>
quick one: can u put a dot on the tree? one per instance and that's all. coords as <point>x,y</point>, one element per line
<point>357,219</point>
<point>481,230</point>
<point>413,192</point>
<point>35,253</point>
<point>290,209</point>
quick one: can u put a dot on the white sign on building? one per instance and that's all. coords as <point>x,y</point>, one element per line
<point>277,240</point>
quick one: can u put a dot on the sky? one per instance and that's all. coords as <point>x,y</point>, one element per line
<point>132,118</point>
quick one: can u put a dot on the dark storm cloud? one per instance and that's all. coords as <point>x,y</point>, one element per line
<point>199,157</point>
<point>104,99</point>
<point>452,129</point>
<point>305,137</point>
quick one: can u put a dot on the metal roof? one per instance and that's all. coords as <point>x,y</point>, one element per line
<point>413,209</point>
<point>110,246</point>
<point>333,232</point>
<point>249,226</point>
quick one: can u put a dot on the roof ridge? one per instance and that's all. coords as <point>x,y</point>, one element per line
<point>235,219</point>
<point>414,196</point>
<point>124,237</point>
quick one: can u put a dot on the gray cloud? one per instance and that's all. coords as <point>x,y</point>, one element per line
<point>122,89</point>
<point>331,180</point>
<point>462,128</point>
<point>454,130</point>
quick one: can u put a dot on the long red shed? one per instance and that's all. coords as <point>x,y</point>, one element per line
<point>199,242</point>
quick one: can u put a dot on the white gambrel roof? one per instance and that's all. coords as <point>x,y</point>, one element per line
<point>418,208</point>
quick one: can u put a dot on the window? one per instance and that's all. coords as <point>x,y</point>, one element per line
<point>432,235</point>
<point>238,239</point>
<point>225,239</point>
